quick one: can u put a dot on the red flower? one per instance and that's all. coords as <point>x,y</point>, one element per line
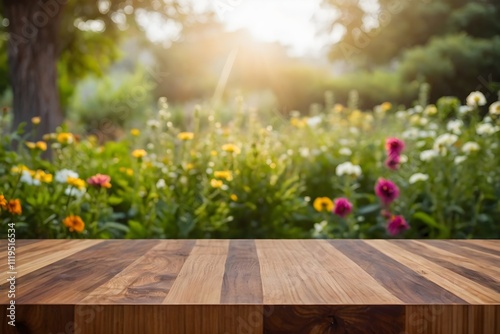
<point>342,207</point>
<point>392,161</point>
<point>386,190</point>
<point>396,225</point>
<point>394,146</point>
<point>100,181</point>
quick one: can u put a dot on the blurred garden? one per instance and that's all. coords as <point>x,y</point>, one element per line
<point>199,119</point>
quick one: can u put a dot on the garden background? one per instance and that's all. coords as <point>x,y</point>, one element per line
<point>167,119</point>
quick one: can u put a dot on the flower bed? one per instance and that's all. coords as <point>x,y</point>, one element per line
<point>425,172</point>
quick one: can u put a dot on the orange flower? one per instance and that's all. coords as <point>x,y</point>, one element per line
<point>74,223</point>
<point>3,202</point>
<point>14,207</point>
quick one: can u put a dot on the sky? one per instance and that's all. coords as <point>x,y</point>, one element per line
<point>290,22</point>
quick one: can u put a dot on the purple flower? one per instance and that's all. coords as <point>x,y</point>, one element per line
<point>392,161</point>
<point>386,190</point>
<point>394,146</point>
<point>342,207</point>
<point>396,225</point>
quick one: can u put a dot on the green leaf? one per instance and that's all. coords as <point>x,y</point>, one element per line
<point>114,200</point>
<point>368,209</point>
<point>137,230</point>
<point>116,226</point>
<point>428,220</point>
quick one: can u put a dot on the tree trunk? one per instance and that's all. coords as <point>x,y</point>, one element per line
<point>33,54</point>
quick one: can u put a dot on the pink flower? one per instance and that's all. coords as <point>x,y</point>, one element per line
<point>342,207</point>
<point>100,181</point>
<point>392,161</point>
<point>386,190</point>
<point>396,225</point>
<point>394,146</point>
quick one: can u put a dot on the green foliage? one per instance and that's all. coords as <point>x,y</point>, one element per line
<point>241,177</point>
<point>104,107</point>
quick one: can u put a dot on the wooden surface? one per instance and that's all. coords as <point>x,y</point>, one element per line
<point>254,286</point>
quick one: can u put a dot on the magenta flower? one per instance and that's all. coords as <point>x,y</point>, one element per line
<point>396,225</point>
<point>100,181</point>
<point>342,207</point>
<point>392,161</point>
<point>386,190</point>
<point>394,146</point>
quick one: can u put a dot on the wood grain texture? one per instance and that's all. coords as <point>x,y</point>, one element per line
<point>321,319</point>
<point>255,286</point>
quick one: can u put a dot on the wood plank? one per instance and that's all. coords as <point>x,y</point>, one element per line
<point>69,280</point>
<point>452,319</point>
<point>404,283</point>
<point>320,319</point>
<point>452,247</point>
<point>480,246</point>
<point>200,279</point>
<point>470,268</point>
<point>193,319</point>
<point>39,319</point>
<point>148,279</point>
<point>242,281</point>
<point>459,285</point>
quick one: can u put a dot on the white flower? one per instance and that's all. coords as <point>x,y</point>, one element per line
<point>443,141</point>
<point>353,130</point>
<point>495,108</point>
<point>314,121</point>
<point>486,129</point>
<point>433,126</point>
<point>62,175</point>
<point>476,99</point>
<point>470,147</point>
<point>72,191</point>
<point>403,159</point>
<point>411,133</point>
<point>153,124</point>
<point>462,110</point>
<point>304,152</point>
<point>423,121</point>
<point>418,177</point>
<point>401,114</point>
<point>161,184</point>
<point>426,134</point>
<point>345,151</point>
<point>347,168</point>
<point>28,179</point>
<point>459,159</point>
<point>455,126</point>
<point>428,155</point>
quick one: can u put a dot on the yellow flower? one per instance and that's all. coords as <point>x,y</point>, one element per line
<point>234,197</point>
<point>41,145</point>
<point>298,122</point>
<point>139,153</point>
<point>189,166</point>
<point>65,138</point>
<point>135,132</point>
<point>338,108</point>
<point>35,120</point>
<point>386,106</point>
<point>430,110</point>
<point>74,223</point>
<point>14,207</point>
<point>323,204</point>
<point>19,169</point>
<point>76,182</point>
<point>30,145</point>
<point>231,148</point>
<point>224,174</point>
<point>185,136</point>
<point>213,153</point>
<point>49,136</point>
<point>41,176</point>
<point>128,171</point>
<point>216,183</point>
<point>3,202</point>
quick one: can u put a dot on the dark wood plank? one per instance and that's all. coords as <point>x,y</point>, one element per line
<point>171,319</point>
<point>455,248</point>
<point>71,279</point>
<point>148,279</point>
<point>475,275</point>
<point>473,245</point>
<point>35,319</point>
<point>242,282</point>
<point>403,282</point>
<point>320,319</point>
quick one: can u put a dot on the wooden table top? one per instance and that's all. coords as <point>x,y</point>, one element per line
<point>262,272</point>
